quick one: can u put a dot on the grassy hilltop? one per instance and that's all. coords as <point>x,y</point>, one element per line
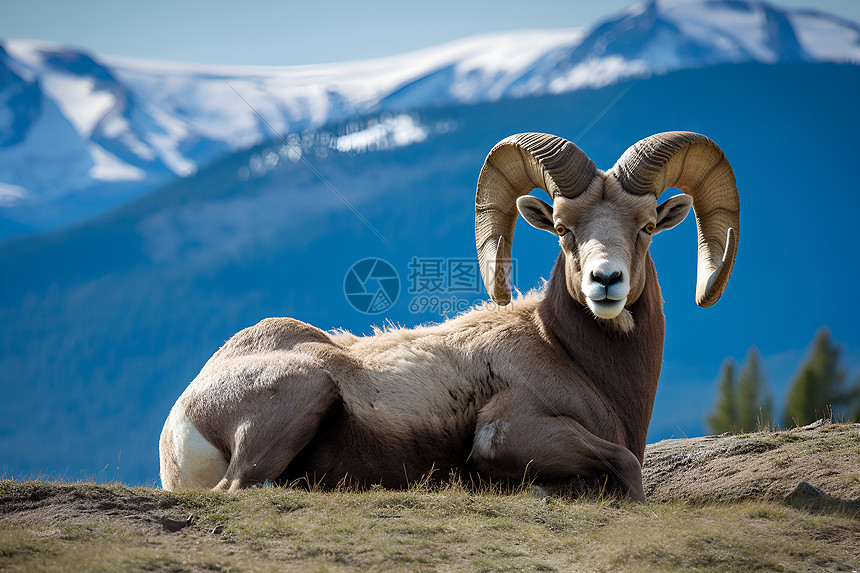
<point>721,503</point>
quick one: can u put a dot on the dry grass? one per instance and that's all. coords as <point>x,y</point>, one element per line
<point>718,504</point>
<point>88,527</point>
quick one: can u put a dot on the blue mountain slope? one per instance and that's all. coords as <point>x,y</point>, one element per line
<point>21,102</point>
<point>102,326</point>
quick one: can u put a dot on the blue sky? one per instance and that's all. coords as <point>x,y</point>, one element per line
<point>289,33</point>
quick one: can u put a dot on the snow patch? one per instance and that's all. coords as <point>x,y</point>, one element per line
<point>166,143</point>
<point>826,38</point>
<point>114,126</point>
<point>169,154</point>
<point>81,103</point>
<point>709,22</point>
<point>388,133</point>
<point>109,167</point>
<point>598,73</point>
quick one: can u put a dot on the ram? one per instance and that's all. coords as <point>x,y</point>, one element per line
<point>559,383</point>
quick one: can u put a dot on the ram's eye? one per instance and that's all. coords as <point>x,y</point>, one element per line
<point>561,230</point>
<point>649,228</point>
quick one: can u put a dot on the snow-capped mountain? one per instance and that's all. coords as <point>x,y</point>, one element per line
<point>80,133</point>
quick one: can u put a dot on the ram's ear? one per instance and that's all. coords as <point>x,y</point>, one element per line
<point>672,211</point>
<point>537,213</point>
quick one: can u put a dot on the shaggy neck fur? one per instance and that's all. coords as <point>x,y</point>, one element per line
<point>594,345</point>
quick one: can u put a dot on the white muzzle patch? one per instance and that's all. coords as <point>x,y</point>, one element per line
<point>606,286</point>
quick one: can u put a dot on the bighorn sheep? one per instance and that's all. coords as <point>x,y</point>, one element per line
<point>560,384</point>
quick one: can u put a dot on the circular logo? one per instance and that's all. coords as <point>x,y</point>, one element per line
<point>371,286</point>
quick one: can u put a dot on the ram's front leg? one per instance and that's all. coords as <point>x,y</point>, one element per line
<point>553,448</point>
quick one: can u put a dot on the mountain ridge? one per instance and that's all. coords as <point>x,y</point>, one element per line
<point>120,128</point>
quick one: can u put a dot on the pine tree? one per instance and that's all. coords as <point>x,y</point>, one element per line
<point>754,402</point>
<point>725,413</point>
<point>818,386</point>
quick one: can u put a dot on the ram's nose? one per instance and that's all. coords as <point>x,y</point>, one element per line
<point>607,278</point>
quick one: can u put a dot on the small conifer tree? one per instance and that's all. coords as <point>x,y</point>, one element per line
<point>725,412</point>
<point>754,400</point>
<point>818,386</point>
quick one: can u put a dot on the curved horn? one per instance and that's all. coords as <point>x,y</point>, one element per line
<point>697,166</point>
<point>514,167</point>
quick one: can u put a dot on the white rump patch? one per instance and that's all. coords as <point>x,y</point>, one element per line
<point>488,438</point>
<point>198,464</point>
